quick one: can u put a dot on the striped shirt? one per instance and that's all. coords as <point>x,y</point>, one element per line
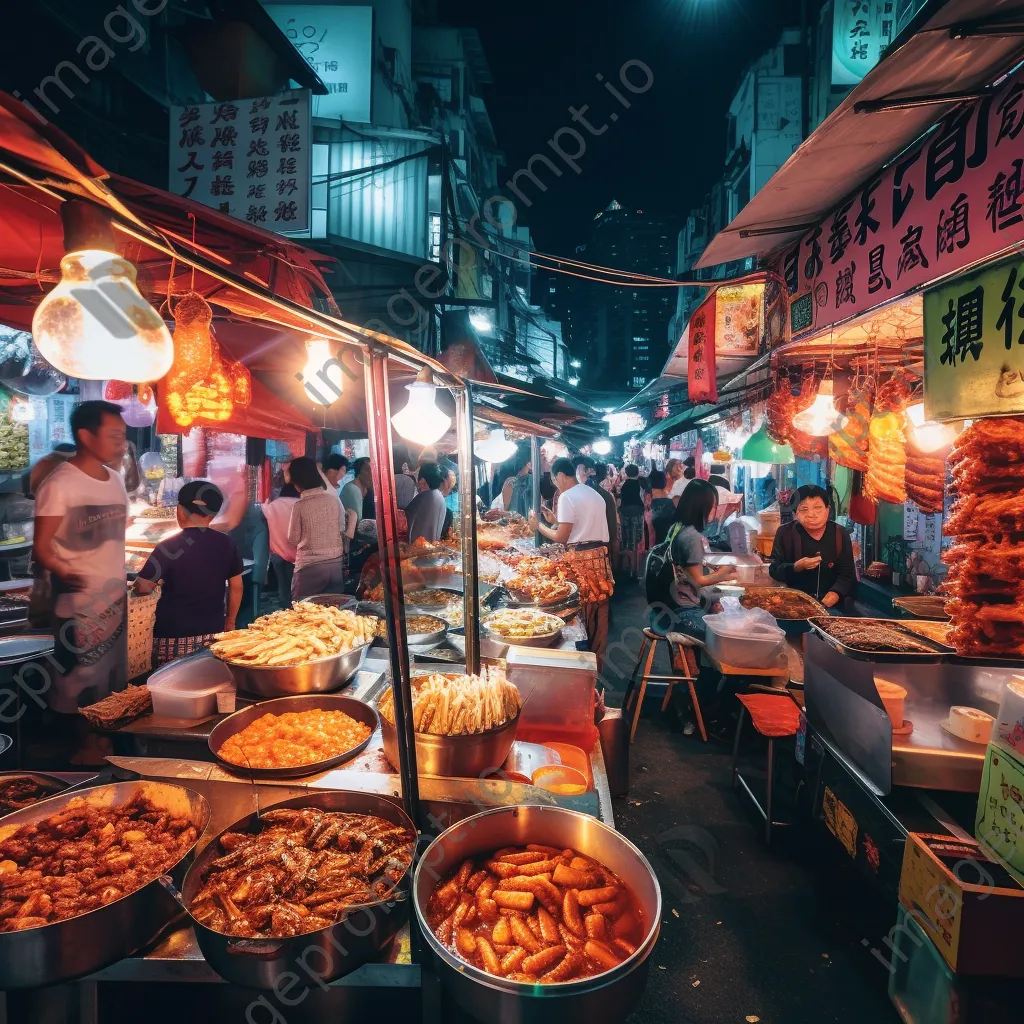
<point>315,527</point>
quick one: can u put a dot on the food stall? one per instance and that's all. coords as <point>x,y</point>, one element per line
<point>202,869</point>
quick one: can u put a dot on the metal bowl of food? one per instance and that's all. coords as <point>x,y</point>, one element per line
<point>334,600</point>
<point>234,724</point>
<point>421,630</point>
<point>323,675</point>
<point>19,790</point>
<point>524,628</point>
<point>608,995</point>
<point>565,594</point>
<point>60,951</point>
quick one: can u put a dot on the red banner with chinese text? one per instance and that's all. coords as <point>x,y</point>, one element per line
<point>701,385</point>
<point>955,198</point>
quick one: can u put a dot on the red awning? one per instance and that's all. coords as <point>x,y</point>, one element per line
<point>848,147</point>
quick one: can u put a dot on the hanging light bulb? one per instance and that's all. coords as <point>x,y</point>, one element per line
<point>321,376</point>
<point>602,446</point>
<point>554,450</point>
<point>95,324</point>
<point>421,420</point>
<point>496,448</point>
<point>928,435</point>
<point>820,419</point>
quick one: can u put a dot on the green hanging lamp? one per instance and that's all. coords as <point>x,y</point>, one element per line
<point>761,448</point>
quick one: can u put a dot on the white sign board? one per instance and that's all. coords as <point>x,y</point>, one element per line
<point>337,43</point>
<point>247,158</point>
<point>624,423</point>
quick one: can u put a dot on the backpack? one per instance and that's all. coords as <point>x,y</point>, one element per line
<point>660,571</point>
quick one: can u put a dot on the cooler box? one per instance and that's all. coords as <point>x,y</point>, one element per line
<point>558,690</point>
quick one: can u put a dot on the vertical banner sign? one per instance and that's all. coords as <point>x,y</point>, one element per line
<point>974,345</point>
<point>701,385</point>
<point>861,31</point>
<point>954,199</point>
<point>247,158</point>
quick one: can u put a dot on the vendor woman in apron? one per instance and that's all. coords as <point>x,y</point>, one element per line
<point>813,553</point>
<point>582,525</point>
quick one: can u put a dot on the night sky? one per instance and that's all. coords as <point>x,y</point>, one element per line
<point>664,152</point>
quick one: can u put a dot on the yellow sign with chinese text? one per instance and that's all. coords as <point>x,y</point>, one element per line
<point>974,345</point>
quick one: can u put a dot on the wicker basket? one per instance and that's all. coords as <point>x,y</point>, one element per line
<point>141,620</point>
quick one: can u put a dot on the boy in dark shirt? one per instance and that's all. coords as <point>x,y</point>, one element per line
<point>195,567</point>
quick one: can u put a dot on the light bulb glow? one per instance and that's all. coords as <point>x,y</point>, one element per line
<point>554,450</point>
<point>927,435</point>
<point>481,321</point>
<point>820,419</point>
<point>602,446</point>
<point>95,324</point>
<point>421,420</point>
<point>321,376</point>
<point>496,448</point>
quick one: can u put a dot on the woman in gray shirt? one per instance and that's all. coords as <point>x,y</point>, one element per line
<point>315,528</point>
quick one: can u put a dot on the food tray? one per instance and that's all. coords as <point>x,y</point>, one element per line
<point>909,626</point>
<point>767,593</point>
<point>519,602</point>
<point>931,656</point>
<point>922,607</point>
<point>234,724</point>
<point>48,786</point>
<point>430,609</point>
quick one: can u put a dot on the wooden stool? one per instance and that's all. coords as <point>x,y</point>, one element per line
<point>775,716</point>
<point>681,650</point>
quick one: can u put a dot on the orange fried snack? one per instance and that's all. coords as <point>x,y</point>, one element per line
<point>294,739</point>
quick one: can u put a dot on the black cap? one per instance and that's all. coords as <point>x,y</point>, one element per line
<point>201,498</point>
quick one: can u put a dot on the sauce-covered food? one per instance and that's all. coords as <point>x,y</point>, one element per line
<point>537,914</point>
<point>294,739</point>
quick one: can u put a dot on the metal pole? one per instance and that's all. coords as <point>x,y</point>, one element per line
<point>378,419</point>
<point>535,469</point>
<point>467,512</point>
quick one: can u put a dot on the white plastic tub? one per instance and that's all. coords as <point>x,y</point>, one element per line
<point>188,688</point>
<point>744,640</point>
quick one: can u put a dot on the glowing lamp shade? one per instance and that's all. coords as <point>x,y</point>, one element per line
<point>421,420</point>
<point>602,446</point>
<point>321,376</point>
<point>820,419</point>
<point>927,435</point>
<point>761,448</point>
<point>95,324</point>
<point>497,448</point>
<point>554,450</point>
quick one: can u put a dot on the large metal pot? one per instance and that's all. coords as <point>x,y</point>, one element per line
<point>606,997</point>
<point>81,945</point>
<point>321,676</point>
<point>360,937</point>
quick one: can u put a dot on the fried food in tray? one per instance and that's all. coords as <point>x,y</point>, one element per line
<point>937,632</point>
<point>782,602</point>
<point>83,857</point>
<point>415,625</point>
<point>873,636</point>
<point>522,623</point>
<point>535,914</point>
<point>295,636</point>
<point>459,705</point>
<point>294,739</point>
<point>20,791</point>
<point>543,589</point>
<point>430,598</point>
<point>301,872</point>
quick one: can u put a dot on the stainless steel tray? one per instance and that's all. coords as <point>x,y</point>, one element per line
<point>820,609</point>
<point>935,655</point>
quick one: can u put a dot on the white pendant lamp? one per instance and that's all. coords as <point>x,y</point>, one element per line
<point>95,324</point>
<point>421,421</point>
<point>495,449</point>
<point>928,435</point>
<point>321,376</point>
<point>820,419</point>
<point>602,446</point>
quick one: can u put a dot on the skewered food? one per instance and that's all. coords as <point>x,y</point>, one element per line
<point>297,635</point>
<point>294,739</point>
<point>543,589</point>
<point>84,857</point>
<point>522,623</point>
<point>301,872</point>
<point>872,636</point>
<point>459,705</point>
<point>536,914</point>
<point>782,603</point>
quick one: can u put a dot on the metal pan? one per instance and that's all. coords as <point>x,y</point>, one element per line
<point>235,723</point>
<point>429,609</point>
<point>80,945</point>
<point>48,785</point>
<point>933,656</point>
<point>928,607</point>
<point>420,639</point>
<point>358,938</point>
<point>820,611</point>
<point>322,675</point>
<point>543,640</point>
<point>527,602</point>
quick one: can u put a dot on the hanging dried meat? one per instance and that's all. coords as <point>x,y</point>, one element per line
<point>926,479</point>
<point>782,407</point>
<point>804,445</point>
<point>848,446</point>
<point>986,563</point>
<point>887,453</point>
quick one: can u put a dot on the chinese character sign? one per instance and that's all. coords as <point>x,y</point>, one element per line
<point>701,383</point>
<point>247,158</point>
<point>861,31</point>
<point>955,198</point>
<point>974,345</point>
<point>337,43</point>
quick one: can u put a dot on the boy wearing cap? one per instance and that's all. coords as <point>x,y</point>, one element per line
<point>194,566</point>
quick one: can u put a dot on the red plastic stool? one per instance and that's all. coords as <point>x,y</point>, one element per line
<point>775,716</point>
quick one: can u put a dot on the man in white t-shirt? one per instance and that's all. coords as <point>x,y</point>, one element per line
<point>582,525</point>
<point>80,518</point>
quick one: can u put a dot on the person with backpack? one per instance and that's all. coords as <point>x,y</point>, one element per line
<point>675,574</point>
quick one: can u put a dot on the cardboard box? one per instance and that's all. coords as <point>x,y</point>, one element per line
<point>968,904</point>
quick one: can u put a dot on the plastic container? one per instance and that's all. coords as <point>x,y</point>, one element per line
<point>560,779</point>
<point>748,639</point>
<point>893,698</point>
<point>557,688</point>
<point>188,688</point>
